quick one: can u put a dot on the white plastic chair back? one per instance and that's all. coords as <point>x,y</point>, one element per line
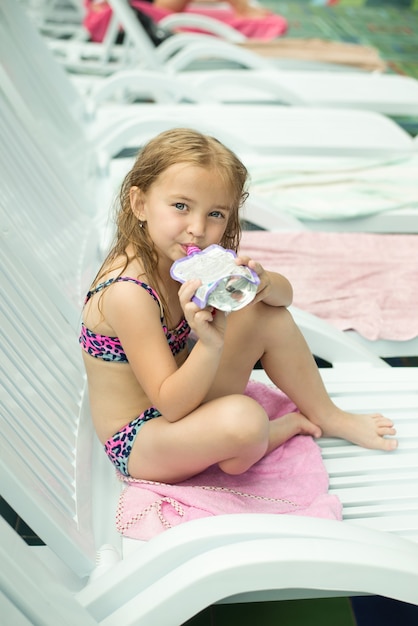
<point>29,592</point>
<point>44,214</point>
<point>45,449</point>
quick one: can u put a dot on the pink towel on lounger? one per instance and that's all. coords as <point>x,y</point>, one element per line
<point>356,281</point>
<point>292,479</point>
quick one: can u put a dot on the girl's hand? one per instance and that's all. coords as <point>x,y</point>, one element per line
<point>274,289</point>
<point>264,288</point>
<point>208,323</point>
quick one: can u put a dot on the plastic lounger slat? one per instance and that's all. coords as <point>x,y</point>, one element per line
<point>45,388</point>
<point>22,436</point>
<point>55,486</point>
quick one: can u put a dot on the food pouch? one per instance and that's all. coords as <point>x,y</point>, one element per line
<point>225,285</point>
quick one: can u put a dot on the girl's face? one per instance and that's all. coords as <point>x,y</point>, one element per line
<point>186,204</point>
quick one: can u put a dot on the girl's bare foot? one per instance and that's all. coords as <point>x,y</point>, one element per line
<point>289,425</point>
<point>367,431</point>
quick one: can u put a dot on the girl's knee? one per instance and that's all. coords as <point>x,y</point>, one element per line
<point>270,321</point>
<point>247,433</point>
<point>277,315</point>
<point>246,421</point>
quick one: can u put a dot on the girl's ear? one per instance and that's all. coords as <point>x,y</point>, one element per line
<point>137,203</point>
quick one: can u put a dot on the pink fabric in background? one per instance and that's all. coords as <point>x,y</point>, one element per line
<point>266,28</point>
<point>355,281</point>
<point>291,480</point>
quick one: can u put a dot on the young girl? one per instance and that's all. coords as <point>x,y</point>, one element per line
<point>162,412</point>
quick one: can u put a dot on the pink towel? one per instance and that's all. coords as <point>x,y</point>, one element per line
<point>355,281</point>
<point>264,28</point>
<point>292,479</point>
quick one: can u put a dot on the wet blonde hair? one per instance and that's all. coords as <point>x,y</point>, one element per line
<point>179,145</point>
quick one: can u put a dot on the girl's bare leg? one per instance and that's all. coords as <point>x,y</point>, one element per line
<point>233,432</point>
<point>269,333</point>
<point>289,425</point>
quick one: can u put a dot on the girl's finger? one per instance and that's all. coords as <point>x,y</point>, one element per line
<point>188,289</point>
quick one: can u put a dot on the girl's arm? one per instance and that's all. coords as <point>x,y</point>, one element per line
<point>135,317</point>
<point>177,6</point>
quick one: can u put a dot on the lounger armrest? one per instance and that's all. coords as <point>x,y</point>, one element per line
<point>244,569</point>
<point>142,83</point>
<point>212,558</point>
<point>217,49</point>
<point>331,344</point>
<point>116,136</point>
<point>261,82</point>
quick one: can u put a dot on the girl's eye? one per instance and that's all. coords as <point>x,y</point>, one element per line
<point>217,214</point>
<point>180,206</point>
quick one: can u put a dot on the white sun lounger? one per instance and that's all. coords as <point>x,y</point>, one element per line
<point>277,130</point>
<point>65,489</point>
<point>55,18</point>
<point>262,82</point>
<point>55,477</point>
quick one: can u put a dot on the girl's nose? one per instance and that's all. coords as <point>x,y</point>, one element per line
<point>196,226</point>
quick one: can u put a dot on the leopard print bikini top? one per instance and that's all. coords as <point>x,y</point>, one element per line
<point>110,348</point>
